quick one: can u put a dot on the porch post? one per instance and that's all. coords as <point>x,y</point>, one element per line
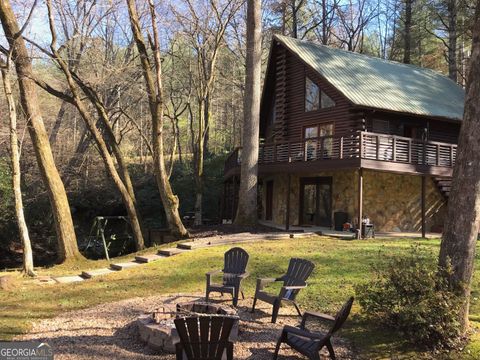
<point>287,217</point>
<point>424,227</point>
<point>360,203</point>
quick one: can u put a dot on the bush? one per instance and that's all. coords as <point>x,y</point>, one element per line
<point>411,295</point>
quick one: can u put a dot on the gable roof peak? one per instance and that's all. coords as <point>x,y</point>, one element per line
<point>379,83</point>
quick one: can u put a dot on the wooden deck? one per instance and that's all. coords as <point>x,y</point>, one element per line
<point>364,150</point>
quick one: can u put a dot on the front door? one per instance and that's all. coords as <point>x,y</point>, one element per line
<point>316,201</point>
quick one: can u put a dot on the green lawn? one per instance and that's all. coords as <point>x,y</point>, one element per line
<point>339,266</point>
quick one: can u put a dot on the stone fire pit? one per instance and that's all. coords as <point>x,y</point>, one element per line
<point>158,331</point>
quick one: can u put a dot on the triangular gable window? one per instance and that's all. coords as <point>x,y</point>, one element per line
<point>312,95</point>
<point>327,101</point>
<point>314,98</point>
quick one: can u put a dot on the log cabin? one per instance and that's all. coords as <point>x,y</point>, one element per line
<point>345,136</point>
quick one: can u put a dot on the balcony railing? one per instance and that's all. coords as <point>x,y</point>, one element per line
<point>364,145</point>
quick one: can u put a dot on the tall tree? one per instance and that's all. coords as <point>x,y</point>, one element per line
<point>152,74</point>
<point>247,205</point>
<point>16,173</point>
<point>121,177</point>
<point>463,216</point>
<point>204,25</point>
<point>407,36</point>
<point>66,239</point>
<point>452,39</point>
<point>354,18</point>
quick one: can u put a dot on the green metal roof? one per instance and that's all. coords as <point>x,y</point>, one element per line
<point>382,84</point>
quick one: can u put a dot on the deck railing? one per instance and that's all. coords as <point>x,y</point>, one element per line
<point>406,150</point>
<point>364,145</point>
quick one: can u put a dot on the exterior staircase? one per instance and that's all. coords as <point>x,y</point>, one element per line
<point>444,185</point>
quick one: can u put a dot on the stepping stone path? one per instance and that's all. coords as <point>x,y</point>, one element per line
<point>148,258</point>
<point>68,279</point>
<point>171,251</point>
<point>181,248</point>
<point>97,272</point>
<point>124,265</point>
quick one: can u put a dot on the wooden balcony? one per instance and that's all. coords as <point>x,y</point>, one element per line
<point>365,150</point>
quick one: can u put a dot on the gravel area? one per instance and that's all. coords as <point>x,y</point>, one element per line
<point>108,331</point>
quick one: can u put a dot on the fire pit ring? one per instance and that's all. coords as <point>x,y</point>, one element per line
<point>157,329</point>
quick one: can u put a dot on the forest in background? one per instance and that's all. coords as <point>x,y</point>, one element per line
<point>203,63</point>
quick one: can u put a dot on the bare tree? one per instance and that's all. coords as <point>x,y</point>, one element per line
<point>123,181</point>
<point>204,24</point>
<point>247,205</point>
<point>66,239</point>
<point>323,15</point>
<point>387,20</point>
<point>445,13</point>
<point>463,217</point>
<point>354,18</point>
<point>152,74</point>
<point>407,36</point>
<point>16,172</point>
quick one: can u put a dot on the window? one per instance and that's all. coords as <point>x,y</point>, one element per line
<point>313,145</point>
<point>311,132</point>
<point>327,101</point>
<point>326,130</point>
<point>314,98</point>
<point>312,95</point>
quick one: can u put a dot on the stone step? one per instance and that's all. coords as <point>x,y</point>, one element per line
<point>45,280</point>
<point>148,258</point>
<point>68,279</point>
<point>302,235</point>
<point>97,272</point>
<point>171,251</point>
<point>339,234</point>
<point>124,265</point>
<point>277,236</point>
<point>190,245</point>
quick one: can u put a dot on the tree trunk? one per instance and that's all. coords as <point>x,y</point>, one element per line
<point>452,39</point>
<point>293,5</point>
<point>154,88</point>
<point>206,117</point>
<point>247,205</point>
<point>463,215</point>
<point>124,187</point>
<point>66,239</point>
<point>199,160</point>
<point>16,177</point>
<point>324,23</point>
<point>58,123</point>
<point>407,49</point>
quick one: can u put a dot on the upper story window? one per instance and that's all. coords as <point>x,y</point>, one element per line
<point>315,98</point>
<point>318,141</point>
<point>311,132</point>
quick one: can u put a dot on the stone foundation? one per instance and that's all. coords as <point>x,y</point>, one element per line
<point>391,201</point>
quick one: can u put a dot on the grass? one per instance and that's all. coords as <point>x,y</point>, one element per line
<point>339,266</point>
